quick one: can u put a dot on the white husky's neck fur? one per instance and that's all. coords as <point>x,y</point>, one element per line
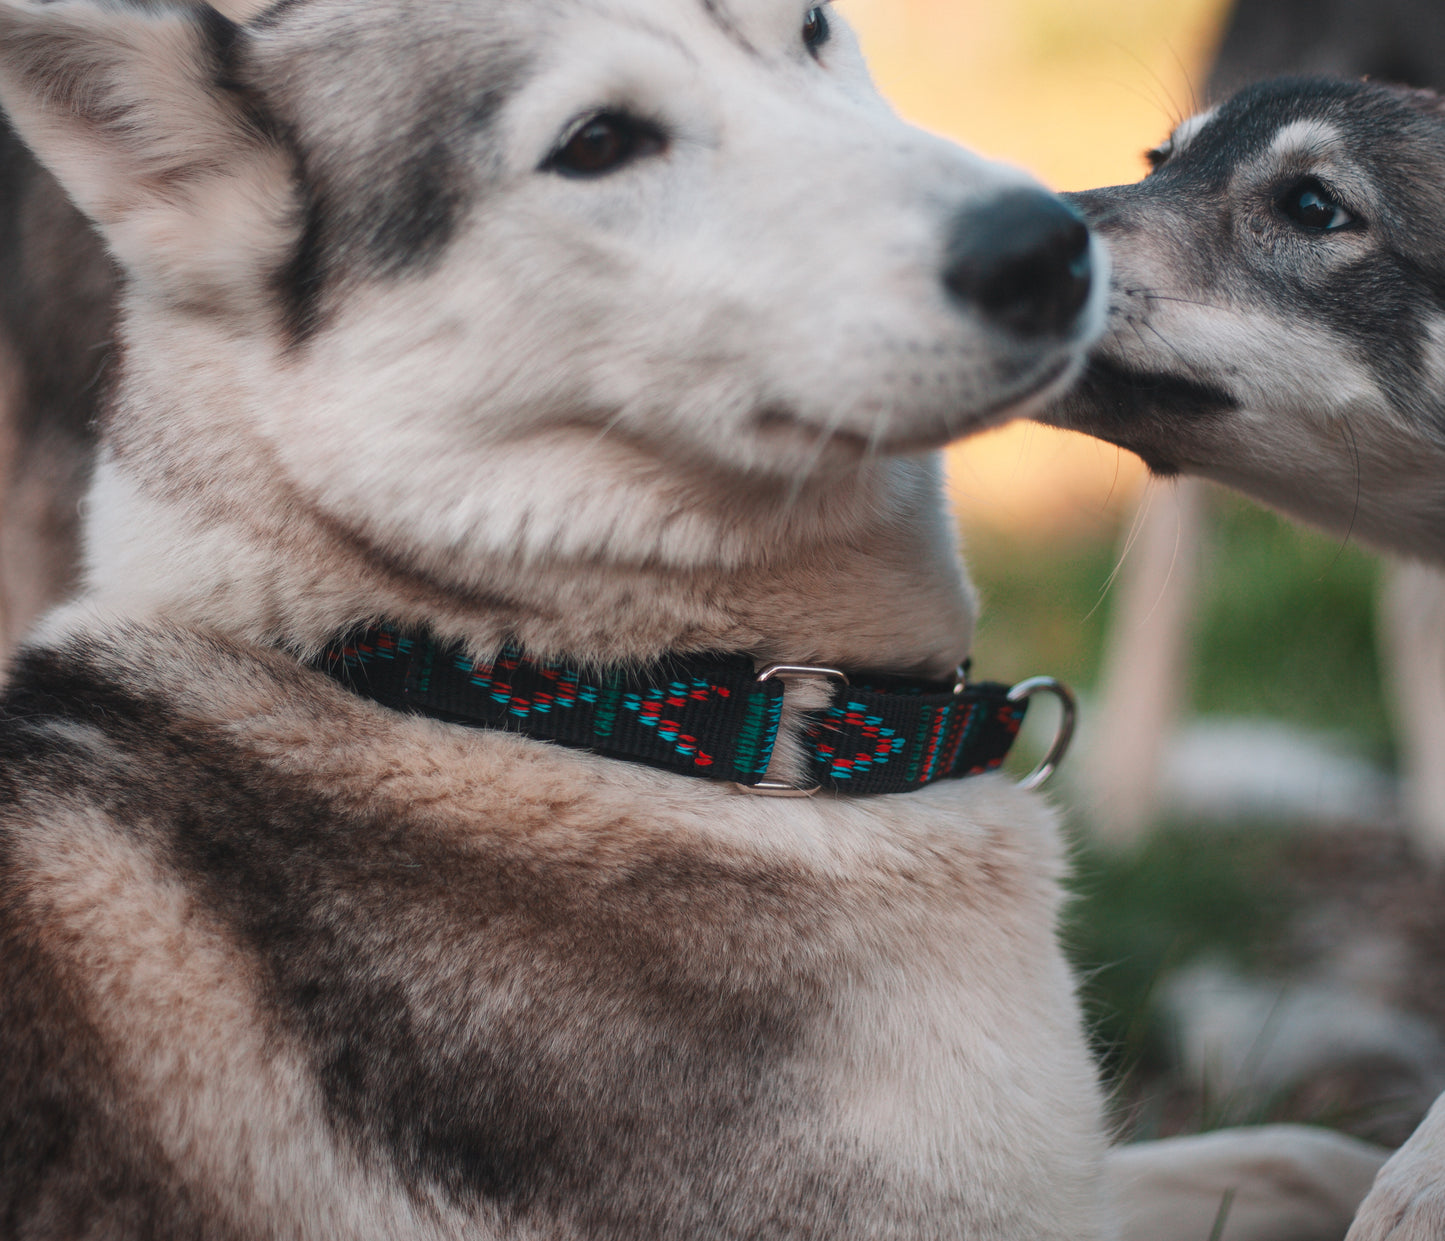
<point>577,544</point>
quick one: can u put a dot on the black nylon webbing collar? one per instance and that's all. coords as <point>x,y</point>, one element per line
<point>711,717</point>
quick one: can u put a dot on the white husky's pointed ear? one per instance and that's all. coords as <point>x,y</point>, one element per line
<point>133,111</point>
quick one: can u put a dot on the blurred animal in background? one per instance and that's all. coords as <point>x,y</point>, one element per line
<point>1390,40</point>
<point>57,310</point>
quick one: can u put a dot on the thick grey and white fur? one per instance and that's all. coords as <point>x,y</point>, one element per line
<point>615,329</point>
<point>1277,323</point>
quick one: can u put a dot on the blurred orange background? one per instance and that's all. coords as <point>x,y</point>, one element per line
<point>1074,91</point>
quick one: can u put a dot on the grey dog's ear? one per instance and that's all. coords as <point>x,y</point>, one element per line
<point>1427,101</point>
<point>131,109</point>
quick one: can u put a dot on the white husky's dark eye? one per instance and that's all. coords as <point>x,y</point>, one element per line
<point>604,143</point>
<point>816,30</point>
<point>1310,205</point>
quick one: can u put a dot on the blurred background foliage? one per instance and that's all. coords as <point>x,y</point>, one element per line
<point>1286,628</point>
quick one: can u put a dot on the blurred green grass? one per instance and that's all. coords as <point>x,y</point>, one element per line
<point>1138,917</point>
<point>1286,623</point>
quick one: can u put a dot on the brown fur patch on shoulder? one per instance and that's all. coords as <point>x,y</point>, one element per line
<point>162,1073</point>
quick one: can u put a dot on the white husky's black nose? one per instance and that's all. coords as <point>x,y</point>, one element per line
<point>1023,260</point>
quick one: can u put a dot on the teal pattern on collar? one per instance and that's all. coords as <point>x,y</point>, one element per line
<point>705,716</point>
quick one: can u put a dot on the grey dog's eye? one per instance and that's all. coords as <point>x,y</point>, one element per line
<point>1310,205</point>
<point>816,30</point>
<point>605,143</point>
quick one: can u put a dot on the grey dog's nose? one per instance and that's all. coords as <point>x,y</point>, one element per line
<point>1022,259</point>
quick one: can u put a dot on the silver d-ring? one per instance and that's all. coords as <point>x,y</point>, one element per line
<point>1025,690</point>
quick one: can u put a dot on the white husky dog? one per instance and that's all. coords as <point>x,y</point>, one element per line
<point>617,334</point>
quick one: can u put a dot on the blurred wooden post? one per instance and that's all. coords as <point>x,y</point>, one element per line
<point>1146,662</point>
<point>1412,652</point>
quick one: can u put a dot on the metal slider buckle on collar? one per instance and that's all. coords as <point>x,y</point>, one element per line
<point>777,788</point>
<point>1022,692</point>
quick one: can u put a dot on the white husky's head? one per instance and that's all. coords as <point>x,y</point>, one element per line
<point>458,287</point>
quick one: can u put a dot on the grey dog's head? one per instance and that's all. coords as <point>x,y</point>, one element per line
<point>1277,317</point>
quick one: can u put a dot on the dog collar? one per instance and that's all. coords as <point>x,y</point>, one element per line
<point>714,717</point>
